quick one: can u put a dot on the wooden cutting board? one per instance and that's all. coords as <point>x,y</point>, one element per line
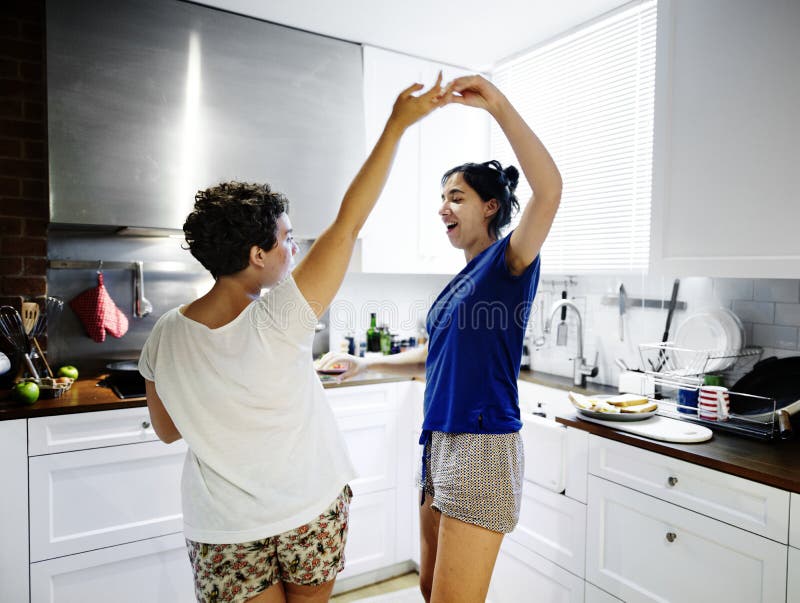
<point>659,428</point>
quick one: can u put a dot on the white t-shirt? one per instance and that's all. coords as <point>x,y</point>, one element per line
<point>265,454</point>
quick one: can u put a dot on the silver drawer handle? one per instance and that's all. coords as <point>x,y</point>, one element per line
<point>145,425</point>
<point>671,536</point>
<point>672,480</point>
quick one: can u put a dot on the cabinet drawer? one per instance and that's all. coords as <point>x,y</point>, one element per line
<point>90,499</point>
<point>644,549</point>
<point>553,526</point>
<point>522,576</point>
<point>79,431</point>
<point>755,507</point>
<point>794,522</point>
<point>156,570</point>
<point>371,533</point>
<point>355,400</point>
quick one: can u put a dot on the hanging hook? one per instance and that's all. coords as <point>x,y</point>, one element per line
<point>99,266</point>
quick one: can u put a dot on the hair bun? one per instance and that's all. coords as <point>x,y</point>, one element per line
<point>512,174</point>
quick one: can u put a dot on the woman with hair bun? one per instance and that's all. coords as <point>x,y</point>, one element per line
<point>264,486</point>
<point>472,469</point>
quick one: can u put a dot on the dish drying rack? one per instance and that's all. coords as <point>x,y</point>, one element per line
<point>671,369</point>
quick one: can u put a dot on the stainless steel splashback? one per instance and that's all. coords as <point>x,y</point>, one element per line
<point>68,342</point>
<point>151,100</point>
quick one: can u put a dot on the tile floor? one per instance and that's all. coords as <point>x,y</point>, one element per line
<point>403,589</point>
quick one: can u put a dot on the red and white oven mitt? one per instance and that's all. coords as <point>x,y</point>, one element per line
<point>99,313</point>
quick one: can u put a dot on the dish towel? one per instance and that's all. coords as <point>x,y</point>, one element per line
<point>99,313</point>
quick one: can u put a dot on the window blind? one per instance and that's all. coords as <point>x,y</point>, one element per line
<point>589,96</point>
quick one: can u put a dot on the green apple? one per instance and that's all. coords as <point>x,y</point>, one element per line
<point>25,391</point>
<point>68,371</point>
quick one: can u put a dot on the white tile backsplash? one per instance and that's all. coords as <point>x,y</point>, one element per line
<point>787,314</point>
<point>403,301</point>
<point>777,290</point>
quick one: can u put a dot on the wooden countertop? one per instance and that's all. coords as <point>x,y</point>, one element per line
<point>86,396</point>
<point>775,463</point>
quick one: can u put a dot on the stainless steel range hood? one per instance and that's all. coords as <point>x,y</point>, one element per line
<point>151,100</point>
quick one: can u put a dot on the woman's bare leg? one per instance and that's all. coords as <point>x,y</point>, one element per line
<point>428,539</point>
<point>319,593</point>
<point>274,594</point>
<point>465,557</point>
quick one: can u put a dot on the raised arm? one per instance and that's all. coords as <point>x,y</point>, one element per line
<point>319,275</point>
<point>539,168</point>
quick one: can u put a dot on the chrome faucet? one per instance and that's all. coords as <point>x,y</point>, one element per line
<point>580,370</point>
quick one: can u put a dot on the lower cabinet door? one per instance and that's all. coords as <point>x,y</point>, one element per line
<point>156,570</point>
<point>90,499</point>
<point>370,537</point>
<point>640,548</point>
<point>522,576</point>
<point>793,590</point>
<point>596,595</point>
<point>553,526</point>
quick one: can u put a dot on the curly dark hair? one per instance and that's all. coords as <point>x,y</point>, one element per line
<point>491,181</point>
<point>228,219</point>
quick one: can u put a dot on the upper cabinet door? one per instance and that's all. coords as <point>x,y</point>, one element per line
<point>405,234</point>
<point>149,101</point>
<point>725,146</point>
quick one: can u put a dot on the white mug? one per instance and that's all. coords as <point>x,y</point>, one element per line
<point>713,403</point>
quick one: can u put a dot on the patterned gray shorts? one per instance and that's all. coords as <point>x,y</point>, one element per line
<point>475,477</point>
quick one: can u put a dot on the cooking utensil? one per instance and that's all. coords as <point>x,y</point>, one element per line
<point>49,312</point>
<point>41,355</point>
<point>5,364</point>
<point>771,379</point>
<point>623,301</point>
<point>30,314</point>
<point>670,311</point>
<point>141,305</point>
<point>561,331</point>
<point>13,331</point>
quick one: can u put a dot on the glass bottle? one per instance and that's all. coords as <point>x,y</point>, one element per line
<point>373,335</point>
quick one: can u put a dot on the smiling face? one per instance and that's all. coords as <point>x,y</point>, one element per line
<point>465,215</point>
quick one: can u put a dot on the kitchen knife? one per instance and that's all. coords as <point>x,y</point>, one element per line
<point>623,301</point>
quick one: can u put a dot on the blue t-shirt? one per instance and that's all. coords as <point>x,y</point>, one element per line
<point>476,328</point>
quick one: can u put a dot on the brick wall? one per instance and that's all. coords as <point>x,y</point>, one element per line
<point>24,207</point>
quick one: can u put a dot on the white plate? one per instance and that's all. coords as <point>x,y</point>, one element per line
<point>715,332</point>
<point>617,416</point>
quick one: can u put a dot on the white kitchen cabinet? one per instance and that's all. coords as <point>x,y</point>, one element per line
<point>89,499</point>
<point>640,548</point>
<point>597,595</point>
<point>554,526</point>
<point>734,500</point>
<point>724,199</point>
<point>371,533</point>
<point>522,576</point>
<point>404,233</point>
<point>794,521</point>
<point>793,585</point>
<point>155,570</point>
<point>367,418</point>
<point>14,511</point>
<point>79,431</point>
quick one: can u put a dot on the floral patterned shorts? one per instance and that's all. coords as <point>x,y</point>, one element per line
<point>309,555</point>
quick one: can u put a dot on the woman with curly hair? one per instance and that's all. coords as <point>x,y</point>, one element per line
<point>264,486</point>
<point>472,469</point>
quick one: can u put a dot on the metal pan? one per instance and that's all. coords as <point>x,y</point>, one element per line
<point>774,378</point>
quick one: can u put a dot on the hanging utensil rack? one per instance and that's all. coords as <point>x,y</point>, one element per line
<point>685,369</point>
